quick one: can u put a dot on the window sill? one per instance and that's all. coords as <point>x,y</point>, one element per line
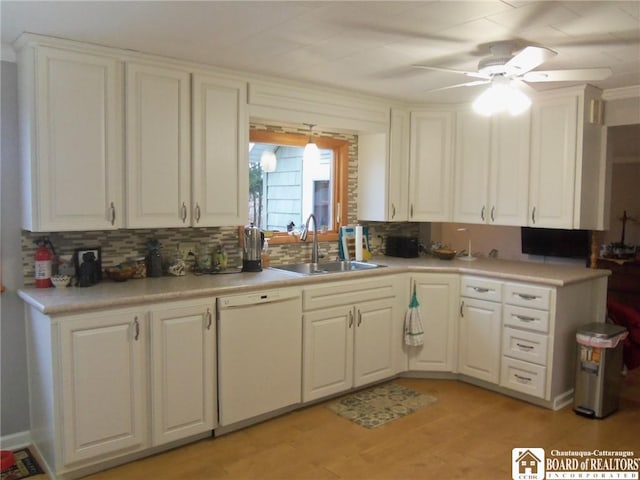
<point>281,238</point>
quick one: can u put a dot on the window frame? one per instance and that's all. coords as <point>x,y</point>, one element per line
<point>340,180</point>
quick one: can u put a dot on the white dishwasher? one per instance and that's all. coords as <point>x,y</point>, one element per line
<point>259,353</point>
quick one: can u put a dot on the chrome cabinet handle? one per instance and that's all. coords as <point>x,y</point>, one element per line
<point>481,289</point>
<point>112,209</point>
<point>411,210</point>
<point>524,347</point>
<point>209,319</point>
<point>359,317</point>
<point>525,319</point>
<point>197,213</point>
<point>462,309</point>
<point>523,379</point>
<point>525,296</point>
<point>533,215</point>
<point>184,212</point>
<point>493,210</point>
<point>136,328</point>
<point>482,213</point>
<point>350,318</point>
<point>393,211</point>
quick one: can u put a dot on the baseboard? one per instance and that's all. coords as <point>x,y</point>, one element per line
<point>15,440</point>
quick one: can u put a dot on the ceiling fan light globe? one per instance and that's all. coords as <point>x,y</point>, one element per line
<point>518,102</point>
<point>488,102</point>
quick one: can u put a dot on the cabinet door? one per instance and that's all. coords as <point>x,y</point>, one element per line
<point>438,298</point>
<point>328,352</point>
<point>398,207</point>
<point>509,179</point>
<point>158,146</point>
<point>473,139</point>
<point>103,369</point>
<point>479,340</point>
<point>374,352</point>
<point>183,371</point>
<point>76,172</point>
<point>553,162</point>
<point>431,161</point>
<point>220,184</point>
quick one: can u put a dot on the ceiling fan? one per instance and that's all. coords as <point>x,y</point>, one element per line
<point>503,66</point>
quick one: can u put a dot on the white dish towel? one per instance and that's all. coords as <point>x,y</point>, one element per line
<point>413,330</point>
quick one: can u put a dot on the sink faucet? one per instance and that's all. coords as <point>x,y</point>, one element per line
<point>305,232</point>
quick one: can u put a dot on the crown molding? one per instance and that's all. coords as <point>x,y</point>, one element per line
<point>621,93</point>
<point>8,54</point>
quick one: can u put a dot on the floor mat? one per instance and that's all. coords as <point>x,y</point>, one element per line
<point>378,405</point>
<point>26,466</point>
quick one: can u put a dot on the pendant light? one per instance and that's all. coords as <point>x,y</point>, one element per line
<point>311,152</point>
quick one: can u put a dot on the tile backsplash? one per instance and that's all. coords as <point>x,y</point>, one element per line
<point>119,245</point>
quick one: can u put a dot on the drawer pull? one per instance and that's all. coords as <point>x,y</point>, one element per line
<point>523,379</point>
<point>136,326</point>
<point>524,347</point>
<point>209,319</point>
<point>524,318</point>
<point>525,296</point>
<point>350,318</point>
<point>481,289</point>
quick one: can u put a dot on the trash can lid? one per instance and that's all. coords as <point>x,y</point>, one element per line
<point>601,330</point>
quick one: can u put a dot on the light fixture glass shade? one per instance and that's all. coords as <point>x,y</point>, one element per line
<point>501,96</point>
<point>311,153</point>
<point>268,161</point>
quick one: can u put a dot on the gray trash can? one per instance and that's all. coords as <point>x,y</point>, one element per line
<point>599,369</point>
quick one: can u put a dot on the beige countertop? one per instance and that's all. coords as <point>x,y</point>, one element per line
<point>108,294</point>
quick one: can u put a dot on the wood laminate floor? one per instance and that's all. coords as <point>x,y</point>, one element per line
<point>468,434</point>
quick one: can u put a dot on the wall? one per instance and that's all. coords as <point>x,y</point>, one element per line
<point>13,363</point>
<point>624,156</point>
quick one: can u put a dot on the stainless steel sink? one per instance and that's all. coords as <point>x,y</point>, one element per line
<point>327,267</point>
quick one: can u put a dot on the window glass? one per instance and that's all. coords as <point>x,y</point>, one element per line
<point>284,189</point>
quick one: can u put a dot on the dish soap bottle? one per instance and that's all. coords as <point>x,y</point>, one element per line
<point>265,254</point>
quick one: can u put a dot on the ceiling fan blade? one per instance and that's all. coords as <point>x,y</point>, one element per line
<point>468,84</point>
<point>450,70</point>
<point>528,59</point>
<point>577,75</point>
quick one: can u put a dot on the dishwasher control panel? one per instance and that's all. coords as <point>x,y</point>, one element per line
<point>254,298</point>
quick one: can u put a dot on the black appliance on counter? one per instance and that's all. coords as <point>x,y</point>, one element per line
<point>405,247</point>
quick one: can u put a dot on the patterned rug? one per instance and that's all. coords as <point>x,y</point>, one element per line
<point>378,405</point>
<point>26,466</point>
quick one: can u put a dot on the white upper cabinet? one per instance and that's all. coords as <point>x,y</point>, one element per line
<point>383,171</point>
<point>431,166</point>
<point>567,165</point>
<point>220,172</point>
<point>492,169</point>
<point>70,116</point>
<point>158,146</point>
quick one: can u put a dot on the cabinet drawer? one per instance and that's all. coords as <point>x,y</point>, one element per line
<point>529,318</point>
<point>527,295</point>
<point>528,346</point>
<point>348,293</point>
<point>481,288</point>
<point>523,377</point>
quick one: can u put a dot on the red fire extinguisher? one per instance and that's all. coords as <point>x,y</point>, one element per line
<point>43,265</point>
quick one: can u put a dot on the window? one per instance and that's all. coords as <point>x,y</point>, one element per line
<point>282,197</point>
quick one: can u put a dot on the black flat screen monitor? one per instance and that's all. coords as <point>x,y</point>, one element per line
<point>551,242</point>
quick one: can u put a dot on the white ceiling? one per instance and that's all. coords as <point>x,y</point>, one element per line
<point>363,46</point>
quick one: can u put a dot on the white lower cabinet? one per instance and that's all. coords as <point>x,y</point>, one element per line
<point>352,334</point>
<point>479,341</point>
<point>93,376</point>
<point>438,298</point>
<point>103,384</point>
<point>183,373</point>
